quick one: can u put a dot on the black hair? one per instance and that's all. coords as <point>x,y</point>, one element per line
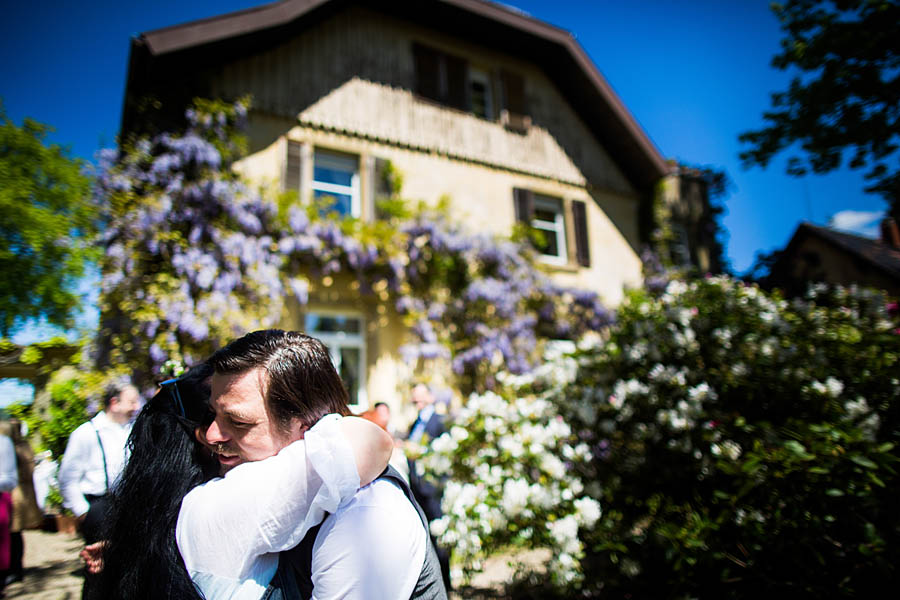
<point>302,382</point>
<point>377,404</point>
<point>141,558</point>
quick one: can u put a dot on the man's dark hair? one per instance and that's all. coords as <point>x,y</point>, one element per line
<point>301,381</point>
<point>377,404</point>
<point>113,390</point>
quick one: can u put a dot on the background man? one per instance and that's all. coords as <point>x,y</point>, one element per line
<point>94,457</point>
<point>429,424</point>
<point>268,388</point>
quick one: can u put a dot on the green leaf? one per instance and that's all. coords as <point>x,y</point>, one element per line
<point>863,461</point>
<point>834,492</point>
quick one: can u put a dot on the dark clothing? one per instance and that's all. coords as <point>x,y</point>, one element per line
<point>92,526</point>
<point>429,585</point>
<point>284,584</point>
<point>92,531</point>
<point>434,427</point>
<point>429,495</point>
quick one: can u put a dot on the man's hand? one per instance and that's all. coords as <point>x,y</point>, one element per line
<point>92,555</point>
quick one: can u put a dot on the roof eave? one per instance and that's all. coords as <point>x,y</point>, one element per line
<point>650,167</point>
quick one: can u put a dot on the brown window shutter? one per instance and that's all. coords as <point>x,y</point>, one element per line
<point>457,76</point>
<point>513,93</point>
<point>427,63</point>
<point>523,200</point>
<point>579,223</point>
<point>293,166</point>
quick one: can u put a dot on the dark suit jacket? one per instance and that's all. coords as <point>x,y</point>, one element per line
<point>427,494</point>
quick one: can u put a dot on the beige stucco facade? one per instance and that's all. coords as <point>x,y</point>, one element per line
<point>347,84</point>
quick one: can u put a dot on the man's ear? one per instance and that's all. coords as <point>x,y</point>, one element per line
<point>298,430</point>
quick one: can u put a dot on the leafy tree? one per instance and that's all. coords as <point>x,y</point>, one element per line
<point>47,219</point>
<point>847,96</point>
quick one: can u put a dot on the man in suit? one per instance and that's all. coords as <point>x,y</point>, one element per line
<point>429,424</point>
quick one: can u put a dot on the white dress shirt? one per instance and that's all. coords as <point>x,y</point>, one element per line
<point>9,474</point>
<point>372,548</point>
<point>230,529</point>
<point>82,470</point>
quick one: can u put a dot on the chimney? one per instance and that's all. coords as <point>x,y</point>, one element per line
<point>890,233</point>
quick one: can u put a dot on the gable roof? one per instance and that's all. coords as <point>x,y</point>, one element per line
<point>876,253</point>
<point>555,50</point>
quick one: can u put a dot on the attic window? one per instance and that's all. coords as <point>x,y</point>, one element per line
<point>451,81</point>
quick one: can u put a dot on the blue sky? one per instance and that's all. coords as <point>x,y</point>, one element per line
<point>695,74</point>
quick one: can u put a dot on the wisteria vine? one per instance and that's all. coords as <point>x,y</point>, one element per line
<point>196,256</point>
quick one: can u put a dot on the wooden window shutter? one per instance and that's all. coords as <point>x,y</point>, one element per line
<point>293,166</point>
<point>457,77</point>
<point>523,201</point>
<point>579,223</point>
<point>513,92</point>
<point>514,113</point>
<point>427,64</point>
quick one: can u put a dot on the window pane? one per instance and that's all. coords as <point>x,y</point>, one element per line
<point>316,323</point>
<point>550,245</point>
<point>349,371</point>
<point>548,219</point>
<point>479,99</point>
<point>331,202</point>
<point>327,174</point>
<point>541,214</point>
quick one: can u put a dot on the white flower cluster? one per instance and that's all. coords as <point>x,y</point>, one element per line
<point>511,481</point>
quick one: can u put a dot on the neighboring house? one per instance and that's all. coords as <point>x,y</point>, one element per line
<point>821,254</point>
<point>504,114</point>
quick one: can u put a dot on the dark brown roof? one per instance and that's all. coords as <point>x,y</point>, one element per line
<point>554,49</point>
<point>877,253</point>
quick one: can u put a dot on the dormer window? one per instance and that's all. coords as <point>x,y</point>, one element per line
<point>451,81</point>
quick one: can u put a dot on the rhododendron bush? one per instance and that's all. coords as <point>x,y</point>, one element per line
<point>507,460</point>
<point>738,444</point>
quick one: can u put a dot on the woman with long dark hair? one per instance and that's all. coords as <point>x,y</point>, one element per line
<point>140,554</point>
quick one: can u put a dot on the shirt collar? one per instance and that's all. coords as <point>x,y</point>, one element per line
<point>102,421</point>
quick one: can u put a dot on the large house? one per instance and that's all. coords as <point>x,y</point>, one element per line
<point>504,114</point>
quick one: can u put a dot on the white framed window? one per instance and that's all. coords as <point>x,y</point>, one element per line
<point>344,334</point>
<point>480,99</point>
<point>549,218</point>
<point>336,180</point>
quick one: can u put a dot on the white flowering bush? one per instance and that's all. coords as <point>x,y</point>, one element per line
<point>511,483</point>
<point>742,443</point>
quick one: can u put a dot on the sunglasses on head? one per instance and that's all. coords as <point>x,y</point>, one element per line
<point>172,385</point>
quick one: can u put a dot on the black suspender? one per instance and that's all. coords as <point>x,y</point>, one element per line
<point>102,453</point>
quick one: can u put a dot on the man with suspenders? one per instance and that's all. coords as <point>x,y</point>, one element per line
<point>94,457</point>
